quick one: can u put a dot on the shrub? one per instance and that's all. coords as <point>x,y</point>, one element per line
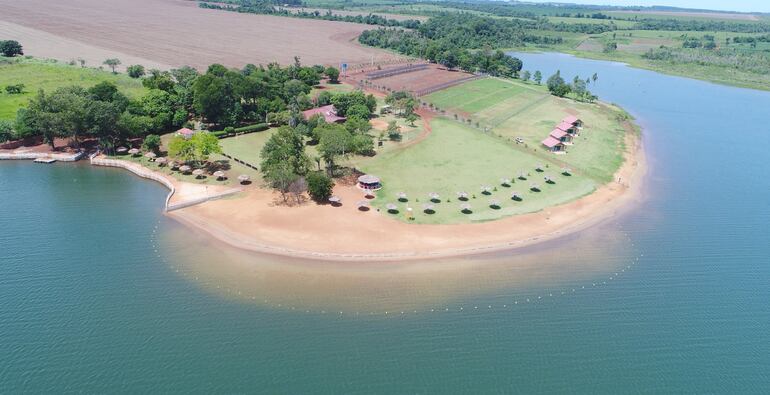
<point>135,71</point>
<point>319,186</point>
<point>151,143</point>
<point>257,127</point>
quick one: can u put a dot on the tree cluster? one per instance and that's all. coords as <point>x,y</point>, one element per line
<point>10,48</point>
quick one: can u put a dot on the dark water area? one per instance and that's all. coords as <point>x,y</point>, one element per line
<point>100,292</point>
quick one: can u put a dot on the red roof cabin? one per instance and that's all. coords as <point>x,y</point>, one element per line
<point>562,136</point>
<point>328,112</point>
<point>575,121</point>
<point>567,127</point>
<point>185,133</point>
<point>554,145</point>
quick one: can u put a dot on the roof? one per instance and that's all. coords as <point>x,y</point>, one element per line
<point>558,133</point>
<point>368,179</point>
<point>551,142</point>
<point>185,132</point>
<point>565,126</point>
<point>571,119</point>
<point>328,112</point>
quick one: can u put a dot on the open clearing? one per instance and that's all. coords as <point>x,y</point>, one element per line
<point>174,33</point>
<point>415,81</point>
<point>35,75</point>
<point>456,158</point>
<point>514,109</point>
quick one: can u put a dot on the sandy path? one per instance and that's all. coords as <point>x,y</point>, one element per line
<point>345,233</point>
<point>175,33</point>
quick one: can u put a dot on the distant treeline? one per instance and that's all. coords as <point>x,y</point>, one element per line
<point>272,8</point>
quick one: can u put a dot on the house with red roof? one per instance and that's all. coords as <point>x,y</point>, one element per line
<point>185,133</point>
<point>567,127</point>
<point>562,136</point>
<point>554,145</point>
<point>328,112</point>
<point>573,120</point>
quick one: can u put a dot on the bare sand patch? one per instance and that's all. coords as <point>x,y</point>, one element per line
<point>175,33</point>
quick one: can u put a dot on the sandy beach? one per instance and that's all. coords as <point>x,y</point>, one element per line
<point>260,222</point>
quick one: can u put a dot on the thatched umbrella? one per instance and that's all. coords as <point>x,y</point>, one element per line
<point>134,151</point>
<point>434,196</point>
<point>219,174</point>
<point>462,195</point>
<point>486,189</point>
<point>540,167</point>
<point>549,179</point>
<point>121,150</point>
<point>362,204</point>
<point>173,164</point>
<point>515,196</point>
<point>534,187</point>
<point>522,175</point>
<point>505,181</point>
<point>150,155</point>
<point>369,194</point>
<point>465,207</point>
<point>185,168</point>
<point>391,207</point>
<point>566,171</point>
<point>494,203</point>
<point>335,200</point>
<point>198,173</point>
<point>243,178</point>
<point>161,161</point>
<point>428,208</point>
<point>401,196</point>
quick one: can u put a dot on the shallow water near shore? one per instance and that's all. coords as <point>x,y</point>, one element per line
<point>99,292</point>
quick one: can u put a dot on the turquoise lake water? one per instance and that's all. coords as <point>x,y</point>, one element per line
<point>101,293</point>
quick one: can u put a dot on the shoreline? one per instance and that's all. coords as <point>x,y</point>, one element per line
<point>323,233</point>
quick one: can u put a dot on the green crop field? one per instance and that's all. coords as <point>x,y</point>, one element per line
<point>38,74</point>
<point>457,158</point>
<point>514,109</point>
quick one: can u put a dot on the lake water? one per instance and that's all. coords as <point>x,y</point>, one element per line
<point>99,292</point>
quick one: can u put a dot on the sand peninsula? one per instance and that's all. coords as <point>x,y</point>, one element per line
<point>254,222</point>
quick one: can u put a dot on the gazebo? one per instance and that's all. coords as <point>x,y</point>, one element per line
<point>369,182</point>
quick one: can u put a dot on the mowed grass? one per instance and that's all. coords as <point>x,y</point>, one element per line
<point>514,109</point>
<point>39,74</point>
<point>457,158</point>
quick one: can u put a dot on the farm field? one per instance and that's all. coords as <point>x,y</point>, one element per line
<point>416,81</point>
<point>457,158</point>
<point>514,109</point>
<point>143,29</point>
<point>47,75</point>
<point>323,11</point>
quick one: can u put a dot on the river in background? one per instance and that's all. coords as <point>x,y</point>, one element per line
<point>99,292</point>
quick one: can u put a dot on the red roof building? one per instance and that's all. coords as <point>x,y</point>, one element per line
<point>567,127</point>
<point>328,112</point>
<point>185,132</point>
<point>573,120</point>
<point>561,135</point>
<point>553,145</point>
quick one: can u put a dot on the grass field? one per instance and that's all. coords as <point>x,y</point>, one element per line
<point>457,158</point>
<point>38,74</point>
<point>515,109</point>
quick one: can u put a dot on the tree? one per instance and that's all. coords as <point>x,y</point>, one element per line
<point>334,142</point>
<point>333,74</point>
<point>14,89</point>
<point>595,77</point>
<point>181,148</point>
<point>538,77</point>
<point>557,86</point>
<point>319,186</point>
<point>11,48</point>
<point>281,177</point>
<point>112,63</point>
<point>402,101</point>
<point>135,70</point>
<point>6,130</point>
<point>151,143</point>
<point>610,47</point>
<point>358,111</point>
<point>286,147</point>
<point>394,131</point>
<point>205,144</point>
<point>525,76</point>
<point>82,62</point>
<point>411,118</point>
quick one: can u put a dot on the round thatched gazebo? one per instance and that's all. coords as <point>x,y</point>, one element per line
<point>369,182</point>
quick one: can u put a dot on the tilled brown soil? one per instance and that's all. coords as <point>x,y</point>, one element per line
<point>172,33</point>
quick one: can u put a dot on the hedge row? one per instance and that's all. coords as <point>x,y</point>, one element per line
<point>229,132</point>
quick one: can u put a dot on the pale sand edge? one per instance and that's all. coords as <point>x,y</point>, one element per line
<point>605,203</point>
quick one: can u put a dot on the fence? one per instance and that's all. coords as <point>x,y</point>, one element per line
<point>434,88</point>
<point>396,71</point>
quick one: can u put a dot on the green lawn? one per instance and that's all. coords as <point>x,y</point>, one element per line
<point>38,74</point>
<point>514,109</point>
<point>456,158</point>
